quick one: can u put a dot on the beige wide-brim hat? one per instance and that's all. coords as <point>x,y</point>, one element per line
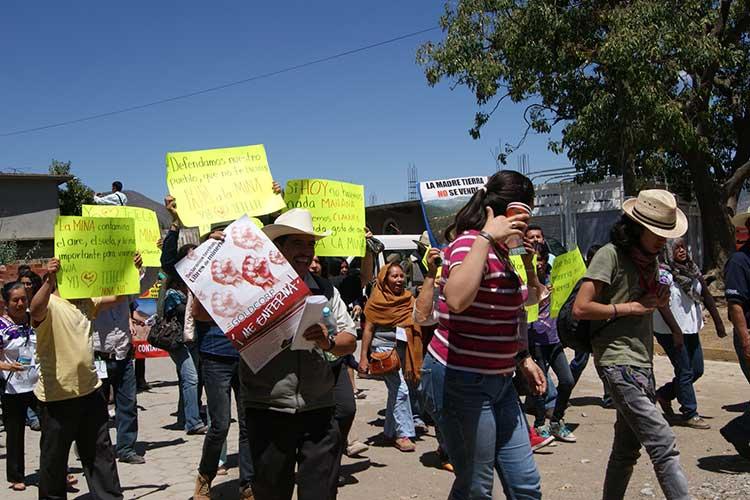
<point>296,221</point>
<point>740,220</point>
<point>657,211</point>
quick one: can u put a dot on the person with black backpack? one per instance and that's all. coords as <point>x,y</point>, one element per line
<point>619,293</point>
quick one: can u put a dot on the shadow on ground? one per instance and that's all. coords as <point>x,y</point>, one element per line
<point>725,464</point>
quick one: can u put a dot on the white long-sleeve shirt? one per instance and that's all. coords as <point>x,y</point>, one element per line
<point>116,198</point>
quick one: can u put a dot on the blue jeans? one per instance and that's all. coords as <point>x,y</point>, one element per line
<point>553,356</point>
<point>121,377</point>
<point>221,378</point>
<point>399,421</point>
<point>188,412</point>
<point>688,367</point>
<point>484,429</point>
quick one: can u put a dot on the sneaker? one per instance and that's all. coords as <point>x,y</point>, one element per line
<point>201,429</point>
<point>695,422</point>
<point>538,441</point>
<point>543,431</point>
<point>356,448</point>
<point>561,432</point>
<point>202,488</point>
<point>741,445</point>
<point>133,459</point>
<point>404,444</point>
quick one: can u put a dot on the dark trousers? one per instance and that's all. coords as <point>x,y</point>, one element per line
<point>84,421</point>
<point>279,441</point>
<point>346,407</point>
<point>553,356</point>
<point>221,376</point>
<point>121,378</point>
<point>688,367</point>
<point>738,429</point>
<point>15,407</point>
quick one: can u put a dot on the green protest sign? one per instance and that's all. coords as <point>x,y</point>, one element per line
<point>532,312</point>
<point>335,206</point>
<point>147,231</point>
<point>567,270</point>
<point>96,256</point>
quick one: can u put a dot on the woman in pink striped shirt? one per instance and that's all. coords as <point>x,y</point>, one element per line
<point>467,374</point>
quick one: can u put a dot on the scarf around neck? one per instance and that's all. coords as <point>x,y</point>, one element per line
<point>685,274</point>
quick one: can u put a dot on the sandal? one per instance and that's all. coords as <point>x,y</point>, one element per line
<point>18,486</point>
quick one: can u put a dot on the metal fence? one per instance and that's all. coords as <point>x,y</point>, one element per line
<point>583,214</point>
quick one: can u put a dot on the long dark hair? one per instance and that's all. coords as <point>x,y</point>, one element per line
<point>626,234</point>
<point>502,188</point>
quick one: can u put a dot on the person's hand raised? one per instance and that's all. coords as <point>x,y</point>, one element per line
<point>501,227</point>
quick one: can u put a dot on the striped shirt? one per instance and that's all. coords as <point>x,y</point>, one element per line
<point>484,337</point>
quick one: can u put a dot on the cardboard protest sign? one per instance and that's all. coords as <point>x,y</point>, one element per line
<point>205,229</point>
<point>217,185</point>
<point>532,312</point>
<point>147,231</point>
<point>249,289</point>
<point>567,270</point>
<point>96,256</point>
<point>145,350</point>
<point>441,201</point>
<point>335,206</point>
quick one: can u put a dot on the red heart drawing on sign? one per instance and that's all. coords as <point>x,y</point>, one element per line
<point>88,277</point>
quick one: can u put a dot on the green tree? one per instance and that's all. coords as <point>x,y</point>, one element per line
<point>640,88</point>
<point>74,193</point>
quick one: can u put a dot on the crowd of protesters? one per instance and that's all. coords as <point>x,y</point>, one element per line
<point>455,352</point>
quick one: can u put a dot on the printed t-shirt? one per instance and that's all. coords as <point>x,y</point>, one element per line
<point>737,279</point>
<point>13,339</point>
<point>484,337</point>
<point>687,312</point>
<point>629,340</point>
<point>65,350</point>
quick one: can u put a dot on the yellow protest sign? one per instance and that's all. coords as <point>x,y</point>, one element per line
<point>217,185</point>
<point>96,256</point>
<point>567,270</point>
<point>147,231</point>
<point>532,312</point>
<point>336,206</point>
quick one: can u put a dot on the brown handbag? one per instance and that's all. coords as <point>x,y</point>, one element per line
<point>382,363</point>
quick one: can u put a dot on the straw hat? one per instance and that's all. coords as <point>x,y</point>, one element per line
<point>656,210</point>
<point>740,220</point>
<point>295,221</point>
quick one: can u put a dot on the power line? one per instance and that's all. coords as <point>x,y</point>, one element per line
<point>220,87</point>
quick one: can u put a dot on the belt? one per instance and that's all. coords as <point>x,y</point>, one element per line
<point>106,356</point>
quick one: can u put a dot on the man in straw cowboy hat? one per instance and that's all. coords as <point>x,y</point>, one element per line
<point>737,281</point>
<point>621,290</point>
<point>289,404</point>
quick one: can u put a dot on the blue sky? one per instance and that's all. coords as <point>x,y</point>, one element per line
<point>362,118</point>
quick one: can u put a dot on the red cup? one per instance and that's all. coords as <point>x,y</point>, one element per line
<point>515,243</point>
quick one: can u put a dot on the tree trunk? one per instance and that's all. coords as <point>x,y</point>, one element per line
<point>718,231</point>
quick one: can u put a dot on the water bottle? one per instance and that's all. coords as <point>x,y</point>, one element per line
<point>329,321</point>
<point>330,324</point>
<point>25,355</point>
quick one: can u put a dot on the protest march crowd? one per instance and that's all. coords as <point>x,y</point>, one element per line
<point>270,314</point>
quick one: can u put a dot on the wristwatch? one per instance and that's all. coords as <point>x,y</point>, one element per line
<point>331,343</point>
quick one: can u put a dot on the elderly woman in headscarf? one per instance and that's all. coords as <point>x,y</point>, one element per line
<point>688,292</point>
<point>389,319</point>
